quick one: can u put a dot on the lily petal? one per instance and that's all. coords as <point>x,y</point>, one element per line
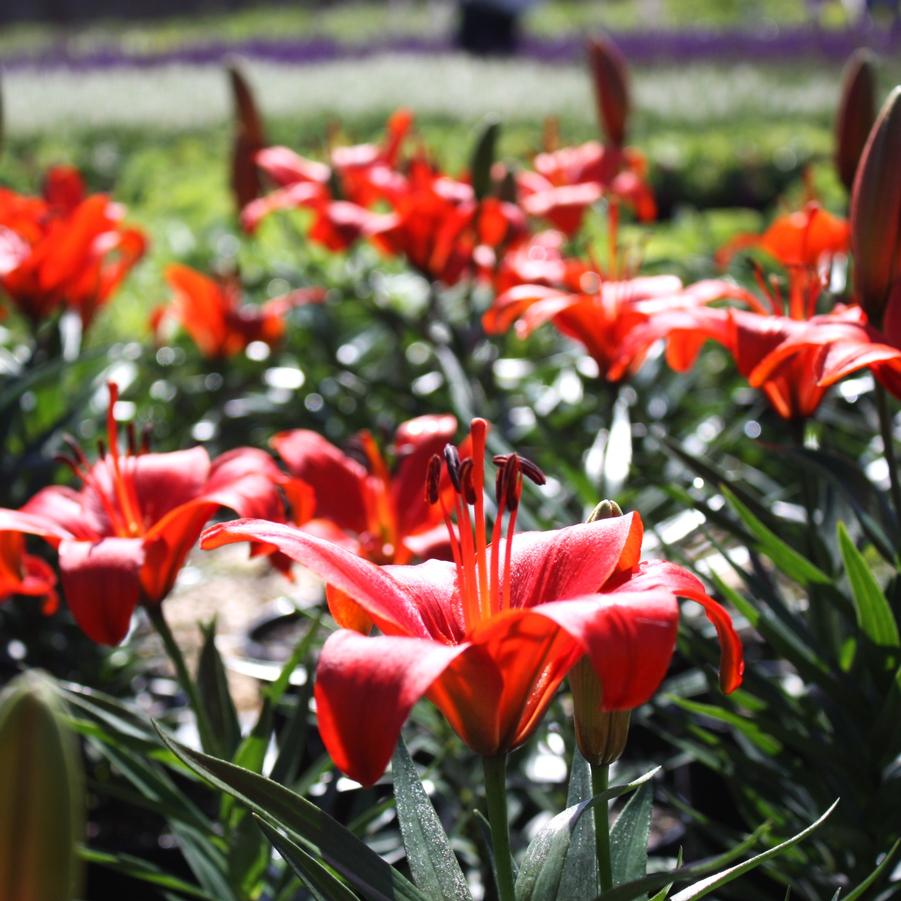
<point>365,689</point>
<point>382,596</point>
<point>577,560</point>
<point>101,584</point>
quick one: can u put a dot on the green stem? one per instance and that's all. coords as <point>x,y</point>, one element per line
<point>888,448</point>
<point>599,783</point>
<point>496,799</point>
<point>156,617</point>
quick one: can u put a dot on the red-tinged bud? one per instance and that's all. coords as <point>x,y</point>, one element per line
<point>876,212</point>
<point>610,78</point>
<point>856,113</point>
<point>249,139</point>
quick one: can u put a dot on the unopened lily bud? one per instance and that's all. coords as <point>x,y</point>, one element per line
<point>610,79</point>
<point>41,797</point>
<point>876,213</point>
<point>601,735</point>
<point>856,113</point>
<point>606,509</point>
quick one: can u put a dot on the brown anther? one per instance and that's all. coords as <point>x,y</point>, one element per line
<point>66,460</point>
<point>512,483</point>
<point>432,479</point>
<point>531,470</point>
<point>452,460</point>
<point>500,459</point>
<point>131,438</point>
<point>468,489</point>
<point>75,447</point>
<point>146,432</point>
<point>101,448</point>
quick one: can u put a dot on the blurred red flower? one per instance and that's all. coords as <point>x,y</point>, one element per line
<point>123,537</point>
<point>211,312</point>
<point>601,314</point>
<point>25,574</point>
<point>65,249</point>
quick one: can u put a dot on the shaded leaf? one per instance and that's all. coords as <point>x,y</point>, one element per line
<point>319,834</point>
<point>320,881</point>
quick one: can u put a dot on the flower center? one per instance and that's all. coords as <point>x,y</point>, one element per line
<point>112,477</point>
<point>483,584</point>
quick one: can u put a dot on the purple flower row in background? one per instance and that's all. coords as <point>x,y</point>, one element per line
<point>650,46</point>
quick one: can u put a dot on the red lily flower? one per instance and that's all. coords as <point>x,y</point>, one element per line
<point>25,574</point>
<point>212,314</point>
<point>489,637</point>
<point>540,261</point>
<point>78,250</point>
<point>123,537</point>
<point>751,336</point>
<point>360,171</point>
<point>443,230</point>
<point>567,181</point>
<point>600,314</point>
<point>808,238</point>
<point>830,348</point>
<point>375,512</point>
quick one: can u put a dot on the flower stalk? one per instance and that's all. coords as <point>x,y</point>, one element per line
<point>888,448</point>
<point>158,620</point>
<point>496,802</point>
<point>599,783</point>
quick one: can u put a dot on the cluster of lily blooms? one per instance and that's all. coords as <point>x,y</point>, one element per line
<point>487,626</point>
<point>484,622</point>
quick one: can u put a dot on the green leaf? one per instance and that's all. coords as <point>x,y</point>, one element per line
<point>581,865</point>
<point>319,834</point>
<point>433,865</point>
<point>640,887</point>
<point>707,885</point>
<point>483,156</point>
<point>874,615</point>
<point>212,684</point>
<point>142,870</point>
<point>858,892</point>
<point>542,866</point>
<point>794,565</point>
<point>320,881</point>
<point>629,837</point>
<point>767,743</point>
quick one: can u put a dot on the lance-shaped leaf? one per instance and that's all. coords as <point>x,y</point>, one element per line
<point>212,684</point>
<point>876,212</point>
<point>629,837</point>
<point>856,114</point>
<point>314,830</point>
<point>41,795</point>
<point>433,865</point>
<point>542,866</point>
<point>610,79</point>
<point>249,139</point>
